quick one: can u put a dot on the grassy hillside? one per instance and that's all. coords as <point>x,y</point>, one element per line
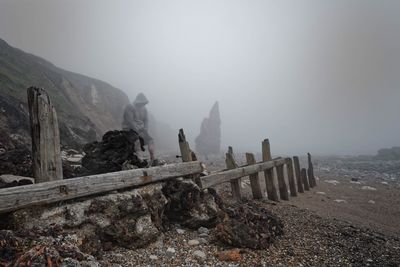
<point>86,107</point>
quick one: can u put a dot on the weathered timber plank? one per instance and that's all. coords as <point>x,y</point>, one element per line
<point>269,173</point>
<point>297,171</point>
<point>227,175</point>
<point>254,179</point>
<point>49,192</point>
<point>283,190</point>
<point>292,184</point>
<point>46,154</point>
<point>235,183</point>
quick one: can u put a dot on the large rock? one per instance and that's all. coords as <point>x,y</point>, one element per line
<point>209,140</point>
<point>115,152</point>
<point>248,226</point>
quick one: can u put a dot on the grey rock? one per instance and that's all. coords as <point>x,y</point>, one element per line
<point>193,242</point>
<point>203,230</point>
<point>199,254</point>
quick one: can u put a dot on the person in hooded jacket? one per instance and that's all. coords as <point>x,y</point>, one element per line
<point>136,118</point>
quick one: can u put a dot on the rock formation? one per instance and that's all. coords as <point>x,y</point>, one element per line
<point>209,140</point>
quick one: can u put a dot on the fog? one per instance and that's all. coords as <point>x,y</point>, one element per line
<point>318,76</point>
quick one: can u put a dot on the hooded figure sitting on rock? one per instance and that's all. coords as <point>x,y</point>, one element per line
<point>135,118</point>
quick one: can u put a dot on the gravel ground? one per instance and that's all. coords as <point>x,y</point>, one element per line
<point>308,240</point>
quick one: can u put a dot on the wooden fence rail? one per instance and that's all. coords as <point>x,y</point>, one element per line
<point>49,192</point>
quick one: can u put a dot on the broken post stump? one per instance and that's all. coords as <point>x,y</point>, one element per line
<point>269,174</point>
<point>283,191</point>
<point>292,184</point>
<point>184,147</point>
<point>305,179</point>
<point>46,154</point>
<point>187,155</point>
<point>254,179</point>
<point>310,171</point>
<point>299,180</point>
<point>235,183</point>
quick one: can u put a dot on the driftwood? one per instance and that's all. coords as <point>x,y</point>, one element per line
<point>50,192</point>
<point>254,179</point>
<point>297,171</point>
<point>45,135</point>
<point>269,173</point>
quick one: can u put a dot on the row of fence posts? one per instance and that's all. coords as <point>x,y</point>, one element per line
<point>299,179</point>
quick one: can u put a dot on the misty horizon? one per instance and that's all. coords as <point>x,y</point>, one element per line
<point>312,76</point>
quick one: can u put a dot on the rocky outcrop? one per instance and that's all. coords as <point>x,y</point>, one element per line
<point>209,140</point>
<point>248,226</point>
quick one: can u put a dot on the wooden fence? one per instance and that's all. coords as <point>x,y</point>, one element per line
<point>49,188</point>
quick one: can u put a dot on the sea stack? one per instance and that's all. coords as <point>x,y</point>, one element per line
<point>209,140</point>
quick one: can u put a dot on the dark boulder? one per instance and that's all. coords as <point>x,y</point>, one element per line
<point>116,149</point>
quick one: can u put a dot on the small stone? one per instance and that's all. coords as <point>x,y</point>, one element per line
<point>180,231</point>
<point>230,255</point>
<point>371,202</point>
<point>203,235</point>
<point>320,193</point>
<point>370,188</point>
<point>340,201</point>
<point>153,257</point>
<point>170,251</point>
<point>193,242</point>
<point>203,241</point>
<point>199,254</point>
<point>203,230</point>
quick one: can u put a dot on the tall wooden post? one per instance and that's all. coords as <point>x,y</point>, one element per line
<point>304,178</point>
<point>46,154</point>
<point>298,175</point>
<point>310,171</point>
<point>235,183</point>
<point>283,191</point>
<point>292,184</point>
<point>254,179</point>
<point>269,174</point>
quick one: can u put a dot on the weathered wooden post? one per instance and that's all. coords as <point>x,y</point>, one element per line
<point>46,154</point>
<point>292,184</point>
<point>298,175</point>
<point>235,183</point>
<point>304,179</point>
<point>254,179</point>
<point>184,147</point>
<point>269,174</point>
<point>310,171</point>
<point>283,191</point>
<point>187,155</point>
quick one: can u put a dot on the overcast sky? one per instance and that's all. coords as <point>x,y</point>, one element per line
<point>318,76</point>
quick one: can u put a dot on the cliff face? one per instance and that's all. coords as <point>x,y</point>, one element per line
<point>86,107</point>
